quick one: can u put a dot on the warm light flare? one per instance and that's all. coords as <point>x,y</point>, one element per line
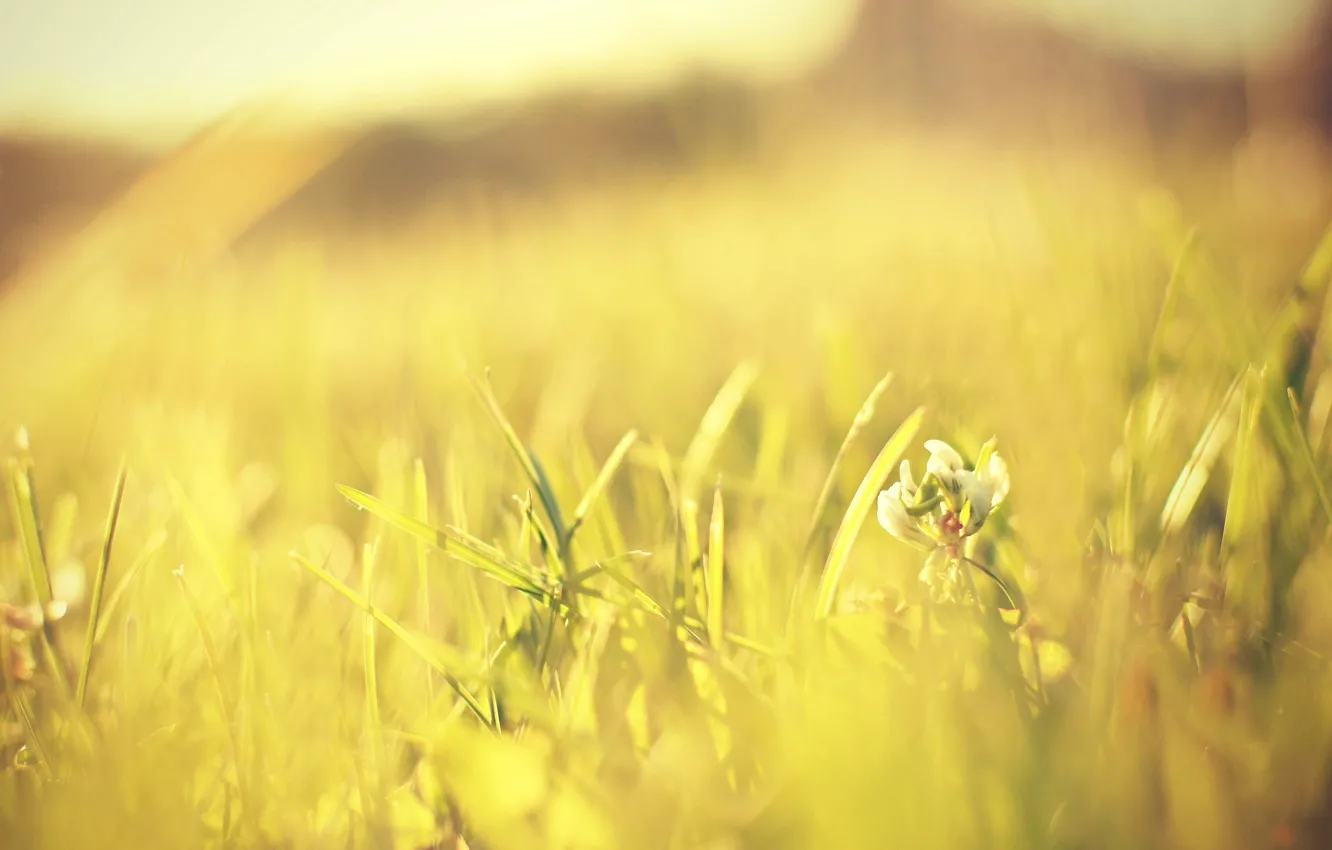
<point>152,72</point>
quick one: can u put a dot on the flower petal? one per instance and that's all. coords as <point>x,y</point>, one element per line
<point>945,464</point>
<point>996,475</point>
<point>896,521</point>
<point>980,496</point>
<point>944,455</point>
<point>908,481</point>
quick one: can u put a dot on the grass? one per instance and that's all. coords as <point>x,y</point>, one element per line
<point>622,590</point>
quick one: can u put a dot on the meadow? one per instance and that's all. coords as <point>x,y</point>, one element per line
<point>549,522</point>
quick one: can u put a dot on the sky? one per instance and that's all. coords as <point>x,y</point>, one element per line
<point>155,71</point>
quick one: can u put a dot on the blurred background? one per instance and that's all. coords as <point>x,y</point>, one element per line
<point>360,114</point>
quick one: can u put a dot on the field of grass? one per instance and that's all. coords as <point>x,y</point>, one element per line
<point>616,580</point>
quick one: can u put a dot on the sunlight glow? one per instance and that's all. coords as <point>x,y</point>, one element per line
<point>153,71</point>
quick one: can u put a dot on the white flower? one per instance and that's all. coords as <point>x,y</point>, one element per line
<point>896,521</point>
<point>965,498</point>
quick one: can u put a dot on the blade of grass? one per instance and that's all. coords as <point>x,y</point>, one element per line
<point>716,562</point>
<point>862,504</point>
<point>24,711</point>
<point>154,545</point>
<point>214,666</point>
<point>1138,413</point>
<point>372,718</point>
<point>23,503</point>
<point>550,547</point>
<point>691,562</point>
<point>397,630</point>
<point>698,457</point>
<point>1306,452</point>
<point>423,561</point>
<point>602,481</point>
<point>1193,477</point>
<point>737,639</point>
<point>525,514</point>
<point>863,418</point>
<point>525,458</point>
<point>1169,303</point>
<point>713,427</point>
<point>25,524</point>
<point>203,539</point>
<point>1239,499</point>
<point>99,584</point>
<point>639,595</point>
<point>1306,316</point>
<point>464,549</point>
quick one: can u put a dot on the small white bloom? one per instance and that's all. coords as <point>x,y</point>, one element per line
<point>947,467</point>
<point>896,521</point>
<point>973,494</point>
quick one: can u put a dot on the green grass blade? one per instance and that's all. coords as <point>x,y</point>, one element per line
<point>1305,313</point>
<point>154,545</point>
<point>416,645</point>
<point>99,585</point>
<point>1193,477</point>
<point>423,559</point>
<point>213,659</point>
<point>24,710</point>
<point>715,565</point>
<point>603,480</point>
<point>454,544</point>
<point>372,718</point>
<point>737,639</point>
<point>863,417</point>
<point>525,458</point>
<point>1239,500</point>
<point>641,596</point>
<point>550,547</point>
<point>1169,303</point>
<point>1306,452</point>
<point>713,427</point>
<point>862,505</point>
<point>23,503</point>
<point>29,531</point>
